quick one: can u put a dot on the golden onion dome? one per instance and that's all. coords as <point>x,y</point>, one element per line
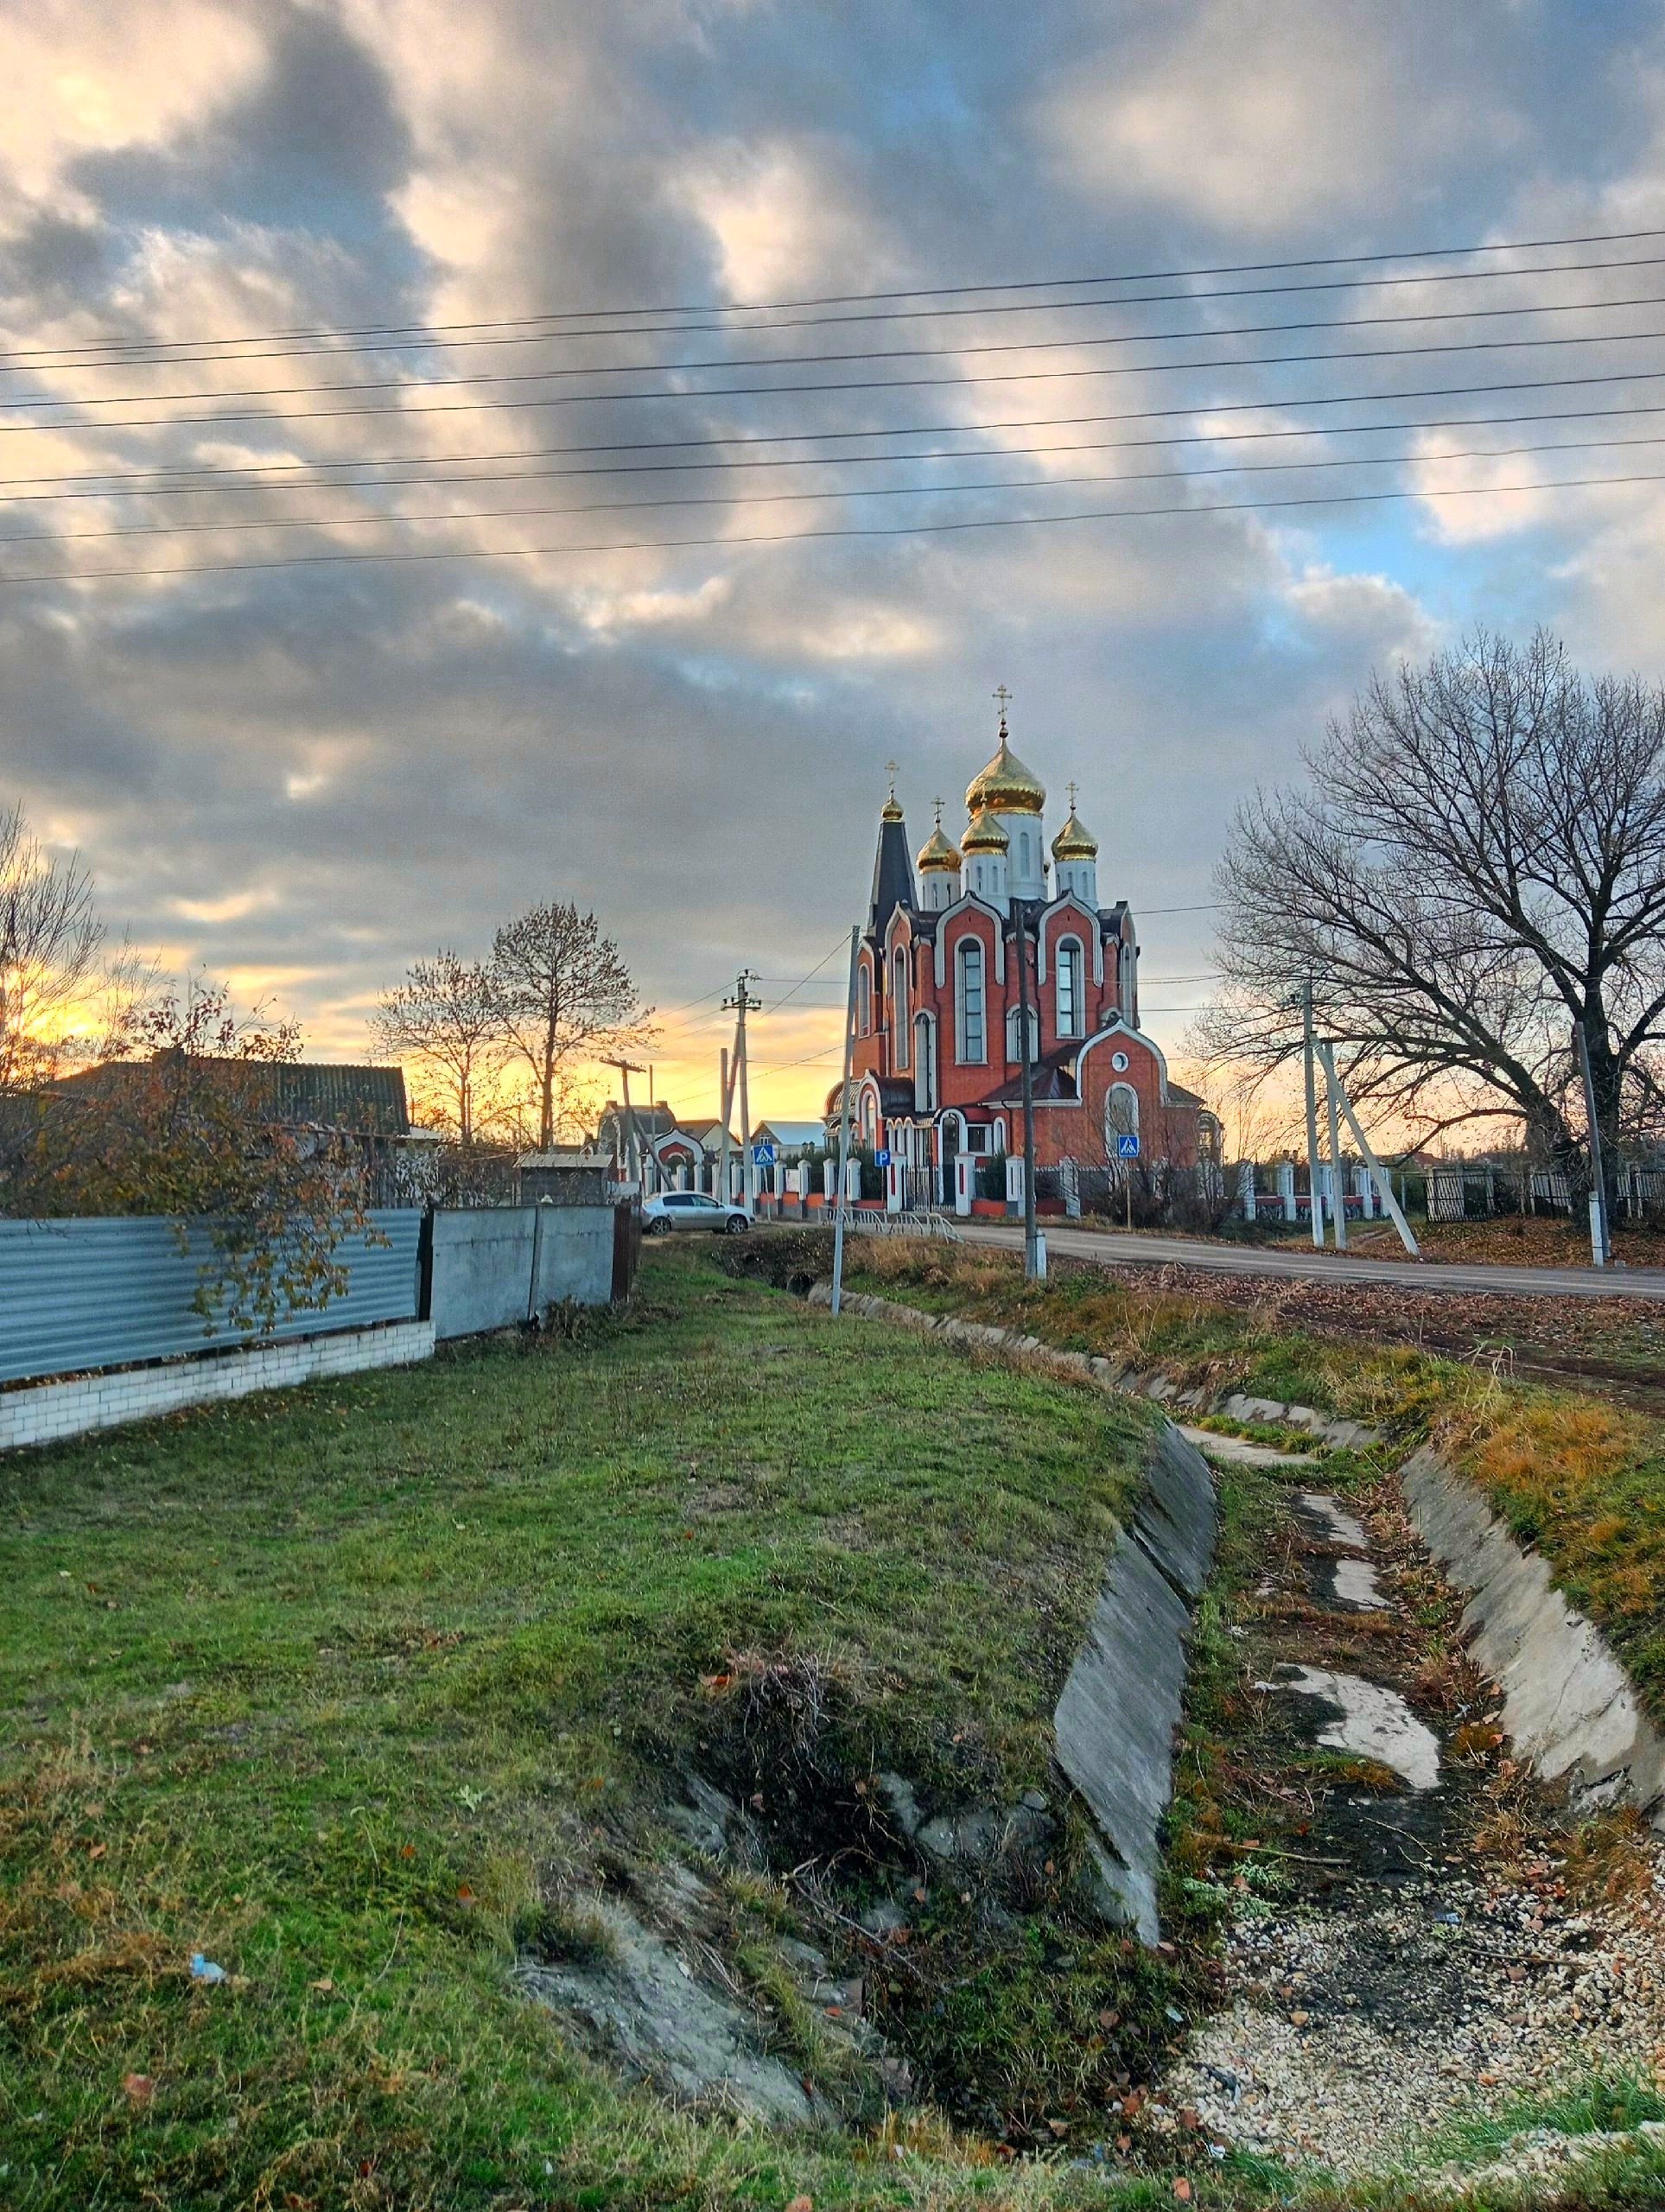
<point>1006,786</point>
<point>890,811</point>
<point>1075,842</point>
<point>939,855</point>
<point>985,835</point>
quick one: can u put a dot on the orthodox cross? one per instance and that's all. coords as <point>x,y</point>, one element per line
<point>1072,789</point>
<point>891,769</point>
<point>939,803</point>
<point>1003,694</point>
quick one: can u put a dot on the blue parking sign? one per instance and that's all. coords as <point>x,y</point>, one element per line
<point>882,1158</point>
<point>1127,1147</point>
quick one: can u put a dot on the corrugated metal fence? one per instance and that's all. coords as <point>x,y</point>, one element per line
<point>76,1295</point>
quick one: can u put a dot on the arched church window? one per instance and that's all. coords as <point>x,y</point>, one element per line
<point>973,1040</point>
<point>1120,1115</point>
<point>864,1000</point>
<point>1068,973</point>
<point>899,1017</point>
<point>1013,1050</point>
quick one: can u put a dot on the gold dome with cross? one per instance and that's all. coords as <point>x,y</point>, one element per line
<point>1006,785</point>
<point>1075,842</point>
<point>938,856</point>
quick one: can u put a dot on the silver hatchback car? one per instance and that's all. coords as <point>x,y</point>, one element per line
<point>691,1210</point>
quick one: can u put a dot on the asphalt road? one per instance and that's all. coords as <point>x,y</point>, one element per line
<point>1110,1247</point>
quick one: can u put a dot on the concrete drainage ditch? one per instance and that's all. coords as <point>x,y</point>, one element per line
<point>1385,1975</point>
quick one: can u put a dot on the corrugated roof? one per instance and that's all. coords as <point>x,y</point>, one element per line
<point>324,1094</point>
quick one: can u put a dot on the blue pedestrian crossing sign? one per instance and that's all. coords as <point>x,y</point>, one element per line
<point>1127,1147</point>
<point>881,1159</point>
<point>762,1155</point>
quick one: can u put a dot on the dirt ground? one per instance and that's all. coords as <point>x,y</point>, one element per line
<point>1410,1936</point>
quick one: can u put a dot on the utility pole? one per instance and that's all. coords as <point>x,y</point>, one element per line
<point>1317,1208</point>
<point>1384,1182</point>
<point>743,1003</point>
<point>1338,1189</point>
<point>1601,1248</point>
<point>633,1136</point>
<point>1034,1252</point>
<point>724,1095</point>
<point>844,1127</point>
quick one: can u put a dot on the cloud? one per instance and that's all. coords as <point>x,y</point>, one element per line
<point>1258,115</point>
<point>306,777</point>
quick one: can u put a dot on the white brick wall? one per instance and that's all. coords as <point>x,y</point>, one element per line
<point>46,1410</point>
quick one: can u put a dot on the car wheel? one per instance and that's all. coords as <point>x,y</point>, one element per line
<point>659,1226</point>
<point>736,1225</point>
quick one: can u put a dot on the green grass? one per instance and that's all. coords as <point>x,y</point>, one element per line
<point>361,1689</point>
<point>340,1686</point>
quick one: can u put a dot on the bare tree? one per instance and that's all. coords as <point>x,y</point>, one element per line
<point>50,938</point>
<point>565,998</point>
<point>1477,866</point>
<point>446,1018</point>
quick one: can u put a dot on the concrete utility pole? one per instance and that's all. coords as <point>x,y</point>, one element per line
<point>1384,1182</point>
<point>1311,1114</point>
<point>1034,1251</point>
<point>1338,1188</point>
<point>1601,1245</point>
<point>725,1094</point>
<point>844,1127</point>
<point>743,1003</point>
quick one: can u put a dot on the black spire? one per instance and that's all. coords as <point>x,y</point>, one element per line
<point>892,865</point>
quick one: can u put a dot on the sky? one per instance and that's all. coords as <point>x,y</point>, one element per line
<point>299,777</point>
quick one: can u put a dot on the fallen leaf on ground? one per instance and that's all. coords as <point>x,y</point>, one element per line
<point>1182,2189</point>
<point>140,2088</point>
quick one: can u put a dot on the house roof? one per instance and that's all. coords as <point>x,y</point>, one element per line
<point>789,1133</point>
<point>362,1101</point>
<point>657,1120</point>
<point>705,1132</point>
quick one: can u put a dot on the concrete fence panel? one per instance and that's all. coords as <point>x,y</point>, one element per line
<point>482,1267</point>
<point>575,1255</point>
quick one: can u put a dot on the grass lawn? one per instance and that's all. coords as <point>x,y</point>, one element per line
<point>359,1690</point>
<point>333,1685</point>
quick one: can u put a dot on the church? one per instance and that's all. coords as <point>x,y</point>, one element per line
<point>938,1066</point>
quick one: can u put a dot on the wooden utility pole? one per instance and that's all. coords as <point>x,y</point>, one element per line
<point>632,1135</point>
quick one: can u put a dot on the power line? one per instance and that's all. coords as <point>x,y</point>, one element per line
<point>378,520</point>
<point>935,291</point>
<point>117,482</point>
<point>165,352</point>
<point>858,384</point>
<point>886,353</point>
<point>885,530</point>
